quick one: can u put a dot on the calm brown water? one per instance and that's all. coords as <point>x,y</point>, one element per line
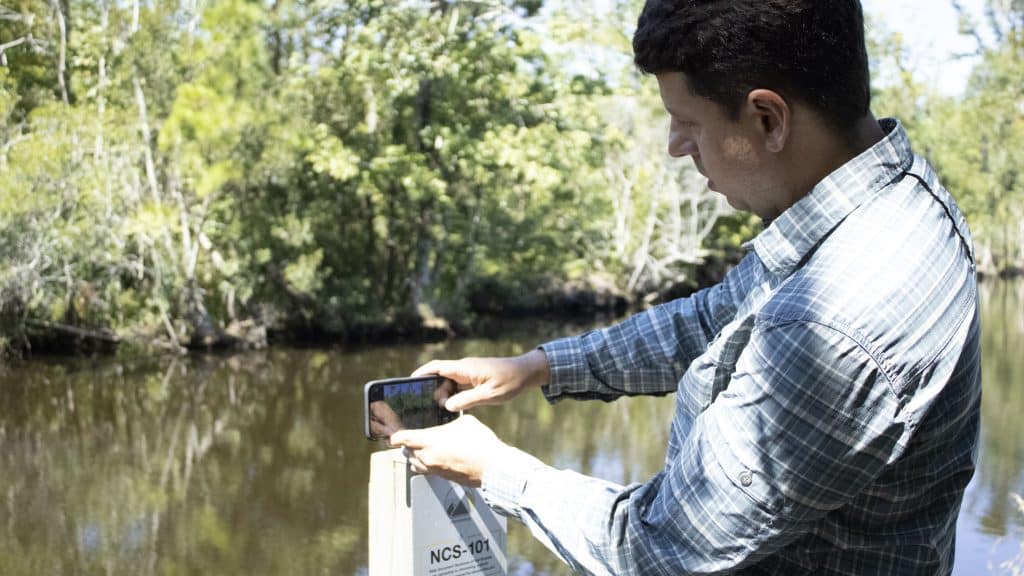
<point>256,464</point>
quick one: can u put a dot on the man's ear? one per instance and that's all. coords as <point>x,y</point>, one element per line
<point>773,116</point>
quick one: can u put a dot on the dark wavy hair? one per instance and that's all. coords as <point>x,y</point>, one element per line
<point>809,50</point>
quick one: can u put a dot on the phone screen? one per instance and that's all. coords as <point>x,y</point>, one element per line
<point>400,403</point>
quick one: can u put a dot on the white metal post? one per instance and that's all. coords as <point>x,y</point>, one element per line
<point>428,526</point>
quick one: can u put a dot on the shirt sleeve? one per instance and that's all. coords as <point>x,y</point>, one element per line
<point>807,422</point>
<point>649,352</point>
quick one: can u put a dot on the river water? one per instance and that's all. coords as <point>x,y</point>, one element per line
<point>255,464</point>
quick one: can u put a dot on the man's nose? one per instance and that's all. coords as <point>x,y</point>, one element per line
<point>679,146</point>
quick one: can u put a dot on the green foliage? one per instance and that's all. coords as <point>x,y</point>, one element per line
<point>327,164</point>
<point>339,163</point>
<point>976,141</point>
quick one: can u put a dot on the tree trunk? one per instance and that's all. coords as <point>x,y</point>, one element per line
<point>390,271</point>
<point>439,251</point>
<point>101,72</point>
<point>62,11</point>
<point>147,152</point>
<point>471,249</point>
<point>419,284</point>
<point>370,251</point>
<point>276,42</point>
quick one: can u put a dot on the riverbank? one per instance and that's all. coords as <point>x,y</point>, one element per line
<point>571,303</point>
<point>491,307</point>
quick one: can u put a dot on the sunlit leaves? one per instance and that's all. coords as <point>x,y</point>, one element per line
<point>330,156</point>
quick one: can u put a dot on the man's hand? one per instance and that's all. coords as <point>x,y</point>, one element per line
<point>459,451</point>
<point>489,381</point>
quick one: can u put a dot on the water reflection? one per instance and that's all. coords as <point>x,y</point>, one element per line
<point>256,464</point>
<point>991,528</point>
<point>1003,443</point>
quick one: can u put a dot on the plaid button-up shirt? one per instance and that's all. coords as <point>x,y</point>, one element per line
<point>827,398</point>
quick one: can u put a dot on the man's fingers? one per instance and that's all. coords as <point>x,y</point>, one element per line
<point>467,399</point>
<point>428,369</point>
<point>446,368</point>
<point>417,439</point>
<point>413,439</point>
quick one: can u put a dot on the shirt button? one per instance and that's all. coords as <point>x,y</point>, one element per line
<point>746,478</point>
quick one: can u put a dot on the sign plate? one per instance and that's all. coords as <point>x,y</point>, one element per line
<point>454,532</point>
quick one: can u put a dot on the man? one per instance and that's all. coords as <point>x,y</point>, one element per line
<point>827,391</point>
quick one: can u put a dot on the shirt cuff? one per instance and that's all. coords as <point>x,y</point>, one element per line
<point>505,481</point>
<point>568,366</point>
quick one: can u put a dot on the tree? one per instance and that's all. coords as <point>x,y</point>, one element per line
<point>189,166</point>
<point>974,141</point>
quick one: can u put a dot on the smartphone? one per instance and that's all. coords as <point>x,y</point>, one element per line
<point>399,403</point>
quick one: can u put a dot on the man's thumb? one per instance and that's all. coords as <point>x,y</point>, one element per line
<point>450,369</point>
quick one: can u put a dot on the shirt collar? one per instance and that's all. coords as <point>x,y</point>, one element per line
<point>790,237</point>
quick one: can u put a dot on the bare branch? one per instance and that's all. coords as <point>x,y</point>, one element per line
<point>971,29</point>
<point>12,16</point>
<point>74,331</point>
<point>993,22</point>
<point>12,44</point>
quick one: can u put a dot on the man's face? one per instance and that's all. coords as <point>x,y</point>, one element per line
<point>729,153</point>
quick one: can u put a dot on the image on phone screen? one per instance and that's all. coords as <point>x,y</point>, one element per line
<point>400,403</point>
